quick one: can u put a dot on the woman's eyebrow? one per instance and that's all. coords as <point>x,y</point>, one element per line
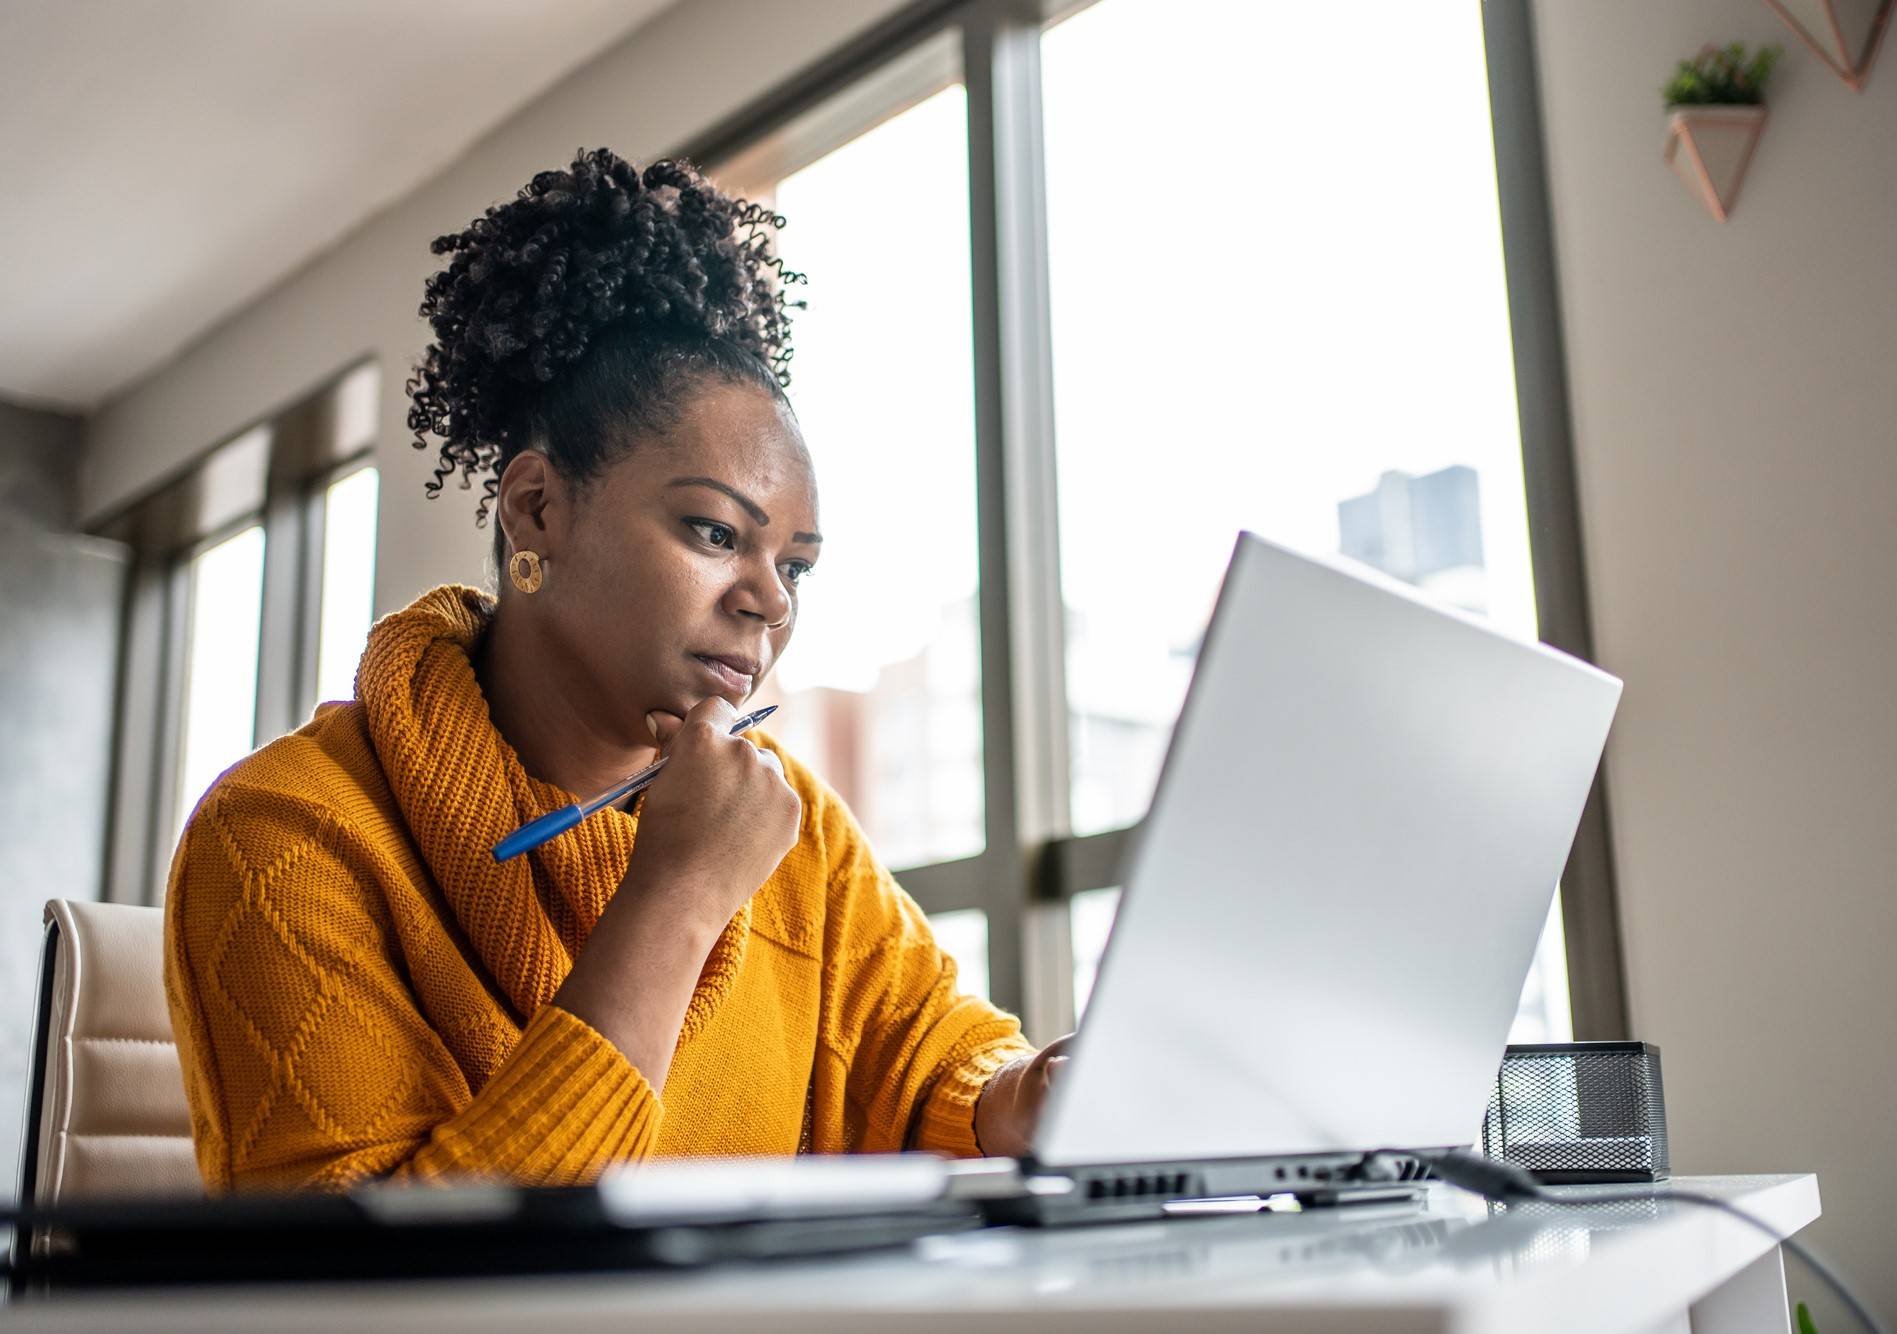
<point>750,506</point>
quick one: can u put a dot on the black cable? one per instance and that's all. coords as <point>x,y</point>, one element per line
<point>1503,1181</point>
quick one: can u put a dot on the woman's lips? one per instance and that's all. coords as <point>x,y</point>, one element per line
<point>728,674</point>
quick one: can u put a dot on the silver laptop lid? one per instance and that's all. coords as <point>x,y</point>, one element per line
<point>1334,901</point>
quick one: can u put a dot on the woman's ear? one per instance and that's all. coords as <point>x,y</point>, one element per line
<point>530,507</point>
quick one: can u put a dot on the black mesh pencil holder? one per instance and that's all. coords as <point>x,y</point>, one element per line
<point>1579,1112</point>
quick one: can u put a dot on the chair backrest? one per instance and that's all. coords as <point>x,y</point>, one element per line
<point>106,1112</point>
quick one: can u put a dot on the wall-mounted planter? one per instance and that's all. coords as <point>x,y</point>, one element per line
<point>1710,147</point>
<point>1845,33</point>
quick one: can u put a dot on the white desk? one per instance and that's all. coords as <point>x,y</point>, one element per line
<point>1455,1264</point>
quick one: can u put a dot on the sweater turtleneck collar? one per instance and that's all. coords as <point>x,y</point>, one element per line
<point>461,788</point>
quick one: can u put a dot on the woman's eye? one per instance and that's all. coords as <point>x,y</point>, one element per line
<point>796,571</point>
<point>718,534</point>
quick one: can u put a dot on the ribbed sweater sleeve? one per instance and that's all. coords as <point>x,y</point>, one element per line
<point>307,1059</point>
<point>564,1105</point>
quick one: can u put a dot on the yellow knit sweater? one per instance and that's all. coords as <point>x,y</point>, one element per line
<point>358,990</point>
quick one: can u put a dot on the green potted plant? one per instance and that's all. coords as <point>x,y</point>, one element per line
<point>1716,106</point>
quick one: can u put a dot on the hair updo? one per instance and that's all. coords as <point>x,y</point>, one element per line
<point>574,317</point>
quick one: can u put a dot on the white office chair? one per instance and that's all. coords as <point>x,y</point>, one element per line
<point>105,1110</point>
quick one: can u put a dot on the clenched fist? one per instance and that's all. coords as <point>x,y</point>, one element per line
<point>716,823</point>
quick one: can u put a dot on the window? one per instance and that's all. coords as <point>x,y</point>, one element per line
<point>881,688</point>
<point>1294,328</point>
<point>1306,318</point>
<point>963,936</point>
<point>251,595</point>
<point>219,721</point>
<point>1330,367</point>
<point>348,581</point>
<point>1090,916</point>
<point>224,592</point>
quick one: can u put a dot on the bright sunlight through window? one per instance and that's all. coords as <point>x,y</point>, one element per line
<point>220,685</point>
<point>881,686</point>
<point>1260,323</point>
<point>349,535</point>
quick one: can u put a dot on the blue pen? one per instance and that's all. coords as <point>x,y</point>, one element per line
<point>554,823</point>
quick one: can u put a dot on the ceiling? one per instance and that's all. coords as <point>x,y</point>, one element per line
<point>163,164</point>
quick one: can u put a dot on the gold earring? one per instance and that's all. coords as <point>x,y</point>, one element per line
<point>523,567</point>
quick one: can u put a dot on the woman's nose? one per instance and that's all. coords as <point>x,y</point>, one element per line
<point>761,593</point>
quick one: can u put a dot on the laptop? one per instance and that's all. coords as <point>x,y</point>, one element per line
<point>1332,906</point>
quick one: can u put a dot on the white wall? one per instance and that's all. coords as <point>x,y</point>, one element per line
<point>671,79</point>
<point>59,604</point>
<point>1735,396</point>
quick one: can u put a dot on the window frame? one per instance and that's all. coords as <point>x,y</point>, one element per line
<point>1590,902</point>
<point>1032,864</point>
<point>274,473</point>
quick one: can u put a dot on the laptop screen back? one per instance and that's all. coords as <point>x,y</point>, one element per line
<point>1332,907</point>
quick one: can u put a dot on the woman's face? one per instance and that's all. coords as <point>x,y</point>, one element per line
<point>673,576</point>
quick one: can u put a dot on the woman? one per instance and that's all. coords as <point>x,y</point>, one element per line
<point>359,990</point>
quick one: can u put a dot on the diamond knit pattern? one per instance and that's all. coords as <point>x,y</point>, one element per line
<point>359,990</point>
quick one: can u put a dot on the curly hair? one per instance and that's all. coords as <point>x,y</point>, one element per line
<point>573,317</point>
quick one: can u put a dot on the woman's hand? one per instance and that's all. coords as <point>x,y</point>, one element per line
<point>713,827</point>
<point>1010,1104</point>
<point>717,822</point>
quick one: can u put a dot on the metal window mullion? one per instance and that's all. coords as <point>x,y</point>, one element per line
<point>1589,903</point>
<point>1095,861</point>
<point>138,734</point>
<point>948,886</point>
<point>314,516</point>
<point>173,681</point>
<point>280,627</point>
<point>1023,673</point>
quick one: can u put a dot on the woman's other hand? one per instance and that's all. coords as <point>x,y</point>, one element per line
<point>1010,1104</point>
<point>716,823</point>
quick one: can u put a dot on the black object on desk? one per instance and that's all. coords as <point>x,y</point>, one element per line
<point>1579,1112</point>
<point>417,1233</point>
